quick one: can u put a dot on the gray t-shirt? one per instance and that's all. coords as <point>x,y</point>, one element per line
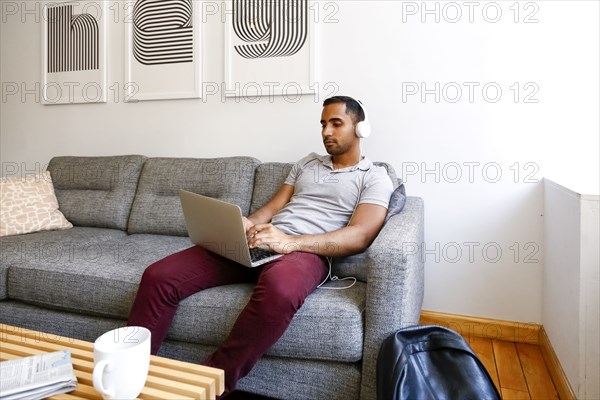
<point>324,199</point>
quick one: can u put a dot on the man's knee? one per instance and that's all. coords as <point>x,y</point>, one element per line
<point>155,274</point>
<point>281,296</point>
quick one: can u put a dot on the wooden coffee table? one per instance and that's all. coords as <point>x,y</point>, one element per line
<point>167,379</point>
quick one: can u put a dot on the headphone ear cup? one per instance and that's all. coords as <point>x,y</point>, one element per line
<point>363,129</point>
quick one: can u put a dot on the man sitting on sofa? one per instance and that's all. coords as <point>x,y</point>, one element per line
<point>331,205</point>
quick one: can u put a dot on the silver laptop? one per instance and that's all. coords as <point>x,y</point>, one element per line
<point>218,226</point>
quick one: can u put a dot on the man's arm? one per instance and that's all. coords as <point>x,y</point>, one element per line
<point>354,238</point>
<point>266,213</point>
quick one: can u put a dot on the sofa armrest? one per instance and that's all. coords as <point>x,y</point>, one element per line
<point>394,285</point>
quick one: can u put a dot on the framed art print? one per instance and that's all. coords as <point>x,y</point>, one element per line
<point>74,52</point>
<point>270,47</point>
<point>163,49</point>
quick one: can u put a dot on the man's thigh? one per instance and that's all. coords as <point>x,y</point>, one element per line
<point>296,271</point>
<point>196,269</point>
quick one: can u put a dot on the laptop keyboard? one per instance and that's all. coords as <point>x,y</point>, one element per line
<point>258,253</point>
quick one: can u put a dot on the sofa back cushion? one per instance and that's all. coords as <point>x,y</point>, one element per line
<point>270,176</point>
<point>268,179</point>
<point>391,172</point>
<point>96,191</point>
<point>157,208</point>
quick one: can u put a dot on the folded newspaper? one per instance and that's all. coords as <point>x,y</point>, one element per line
<point>37,377</point>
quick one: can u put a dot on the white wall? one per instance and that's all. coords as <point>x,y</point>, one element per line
<point>490,156</point>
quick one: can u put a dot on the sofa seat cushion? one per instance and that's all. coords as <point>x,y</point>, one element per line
<point>101,277</point>
<point>51,248</point>
<point>95,277</point>
<point>328,326</point>
<point>157,208</point>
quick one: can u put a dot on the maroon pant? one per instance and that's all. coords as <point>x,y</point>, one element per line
<point>281,288</point>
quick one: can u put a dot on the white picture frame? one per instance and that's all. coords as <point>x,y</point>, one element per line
<point>266,69</point>
<point>155,71</point>
<point>74,65</point>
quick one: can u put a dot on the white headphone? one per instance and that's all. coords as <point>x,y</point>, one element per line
<point>363,128</point>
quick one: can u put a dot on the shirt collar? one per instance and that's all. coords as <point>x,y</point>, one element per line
<point>364,164</point>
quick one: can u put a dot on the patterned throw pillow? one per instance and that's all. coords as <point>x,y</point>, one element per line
<point>29,205</point>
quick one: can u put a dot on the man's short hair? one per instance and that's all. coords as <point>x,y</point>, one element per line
<point>353,107</point>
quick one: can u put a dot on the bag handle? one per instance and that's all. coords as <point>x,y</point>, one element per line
<point>430,344</point>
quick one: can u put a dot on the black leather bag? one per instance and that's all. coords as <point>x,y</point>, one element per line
<point>431,362</point>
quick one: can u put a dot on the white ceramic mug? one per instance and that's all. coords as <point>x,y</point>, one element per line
<point>121,362</point>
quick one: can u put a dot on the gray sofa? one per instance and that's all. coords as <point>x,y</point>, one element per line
<point>81,282</point>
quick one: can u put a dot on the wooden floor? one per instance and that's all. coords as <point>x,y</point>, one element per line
<point>517,369</point>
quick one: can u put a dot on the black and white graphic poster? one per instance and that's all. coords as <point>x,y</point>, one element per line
<point>270,48</point>
<point>163,49</point>
<point>74,52</point>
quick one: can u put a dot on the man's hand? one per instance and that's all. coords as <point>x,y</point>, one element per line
<point>247,224</point>
<point>267,236</point>
<point>352,239</point>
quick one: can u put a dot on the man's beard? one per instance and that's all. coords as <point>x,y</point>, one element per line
<point>337,150</point>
